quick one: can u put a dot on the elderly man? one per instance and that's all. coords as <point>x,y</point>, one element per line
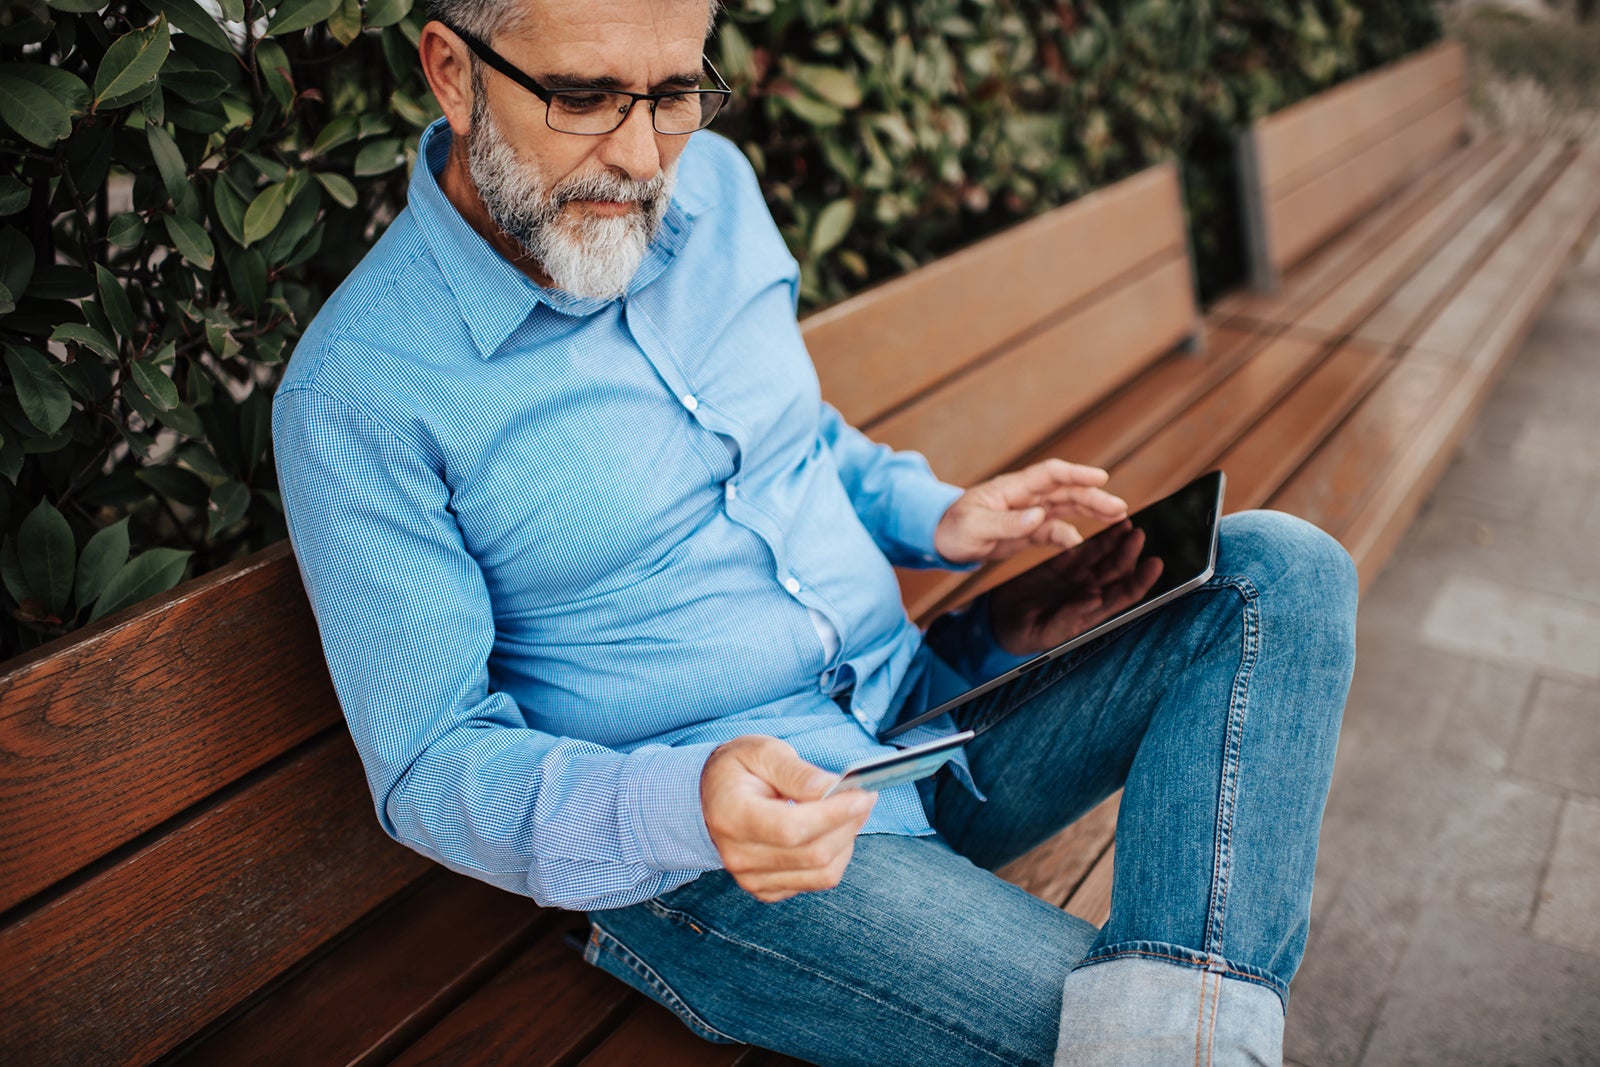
<point>606,593</point>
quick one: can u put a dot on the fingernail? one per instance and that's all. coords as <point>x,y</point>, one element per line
<point>1033,515</point>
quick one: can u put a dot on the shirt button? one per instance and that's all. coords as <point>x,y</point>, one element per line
<point>793,585</point>
<point>690,401</point>
<point>733,491</point>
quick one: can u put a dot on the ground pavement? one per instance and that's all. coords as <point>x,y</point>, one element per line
<point>1456,915</point>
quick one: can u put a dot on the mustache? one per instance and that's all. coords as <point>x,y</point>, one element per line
<point>609,187</point>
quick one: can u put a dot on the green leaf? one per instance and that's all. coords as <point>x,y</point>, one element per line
<point>16,260</point>
<point>297,221</point>
<point>229,501</point>
<point>196,86</point>
<point>837,87</point>
<point>114,302</point>
<point>11,571</point>
<point>161,390</point>
<point>335,133</point>
<point>14,195</point>
<point>125,230</point>
<point>101,559</point>
<point>131,64</point>
<point>273,63</point>
<point>232,10</point>
<point>295,15</point>
<point>247,269</point>
<point>59,281</point>
<point>7,303</point>
<point>192,241</point>
<point>344,25</point>
<point>264,213</point>
<point>380,13</point>
<point>148,573</point>
<point>49,557</point>
<point>169,162</point>
<point>811,111</point>
<point>10,458</point>
<point>176,484</point>
<point>339,187</point>
<point>230,209</point>
<point>32,112</point>
<point>77,7</point>
<point>63,85</point>
<point>378,157</point>
<point>83,334</point>
<point>40,391</point>
<point>833,223</point>
<point>200,459</point>
<point>194,20</point>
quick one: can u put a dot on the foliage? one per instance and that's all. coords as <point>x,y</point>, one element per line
<point>183,182</point>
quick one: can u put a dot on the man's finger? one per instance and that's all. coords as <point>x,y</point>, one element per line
<point>984,526</point>
<point>782,768</point>
<point>1027,485</point>
<point>781,825</point>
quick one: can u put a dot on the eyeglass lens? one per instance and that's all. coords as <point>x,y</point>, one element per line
<point>590,112</point>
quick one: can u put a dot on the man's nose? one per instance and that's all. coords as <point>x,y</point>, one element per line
<point>632,146</point>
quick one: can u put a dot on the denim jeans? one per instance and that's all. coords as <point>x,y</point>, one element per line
<point>1218,717</point>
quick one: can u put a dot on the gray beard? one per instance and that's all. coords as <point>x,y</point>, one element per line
<point>586,255</point>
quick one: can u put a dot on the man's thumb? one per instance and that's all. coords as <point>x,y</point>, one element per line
<point>783,769</point>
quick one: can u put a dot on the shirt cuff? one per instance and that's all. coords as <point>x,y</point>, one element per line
<point>661,797</point>
<point>918,507</point>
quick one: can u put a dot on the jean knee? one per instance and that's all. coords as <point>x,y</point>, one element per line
<point>1306,579</point>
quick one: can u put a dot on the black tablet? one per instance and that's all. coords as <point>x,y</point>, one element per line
<point>1129,569</point>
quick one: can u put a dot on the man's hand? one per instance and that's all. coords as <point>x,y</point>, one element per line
<point>775,849</point>
<point>1002,516</point>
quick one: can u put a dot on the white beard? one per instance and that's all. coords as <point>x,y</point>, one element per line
<point>587,255</point>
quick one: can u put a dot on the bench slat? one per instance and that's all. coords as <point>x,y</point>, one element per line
<point>1304,218</point>
<point>393,979</point>
<point>135,960</point>
<point>653,1035</point>
<point>546,1007</point>
<point>157,708</point>
<point>1092,899</point>
<point>1056,869</point>
<point>1302,140</point>
<point>1416,301</point>
<point>999,410</point>
<point>876,351</point>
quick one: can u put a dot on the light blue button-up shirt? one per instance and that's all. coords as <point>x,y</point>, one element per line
<point>559,549</point>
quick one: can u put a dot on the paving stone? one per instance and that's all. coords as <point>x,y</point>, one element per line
<point>1475,615</point>
<point>1559,443</point>
<point>1470,994</point>
<point>1488,855</point>
<point>1494,482</point>
<point>1482,723</point>
<point>1561,742</point>
<point>1567,913</point>
<point>1556,561</point>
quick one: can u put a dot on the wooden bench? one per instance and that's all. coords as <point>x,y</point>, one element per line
<point>189,865</point>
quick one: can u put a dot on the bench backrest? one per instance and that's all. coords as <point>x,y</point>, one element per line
<point>1308,171</point>
<point>182,816</point>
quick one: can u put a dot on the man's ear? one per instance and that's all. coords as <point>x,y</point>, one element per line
<point>447,65</point>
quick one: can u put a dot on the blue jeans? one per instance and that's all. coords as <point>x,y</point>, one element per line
<point>1218,717</point>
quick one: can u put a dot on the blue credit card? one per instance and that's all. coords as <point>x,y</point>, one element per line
<point>907,765</point>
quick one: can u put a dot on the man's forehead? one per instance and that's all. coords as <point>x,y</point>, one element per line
<point>624,31</point>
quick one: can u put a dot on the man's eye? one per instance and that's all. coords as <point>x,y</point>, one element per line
<point>584,103</point>
<point>675,103</point>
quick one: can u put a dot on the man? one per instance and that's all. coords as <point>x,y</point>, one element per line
<point>606,593</point>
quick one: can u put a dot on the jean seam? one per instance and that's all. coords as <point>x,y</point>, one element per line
<point>603,941</point>
<point>1221,965</point>
<point>1228,800</point>
<point>934,1021</point>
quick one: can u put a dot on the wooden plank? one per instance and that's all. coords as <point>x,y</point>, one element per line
<point>392,980</point>
<point>1307,216</point>
<point>1000,409</point>
<point>157,706</point>
<point>876,351</point>
<point>1303,139</point>
<point>547,1007</point>
<point>1489,190</point>
<point>133,961</point>
<point>1092,900</point>
<point>1329,489</point>
<point>1418,297</point>
<point>1334,262</point>
<point>1264,458</point>
<point>1053,871</point>
<point>653,1035</point>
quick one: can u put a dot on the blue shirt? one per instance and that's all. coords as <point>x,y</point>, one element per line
<point>560,548</point>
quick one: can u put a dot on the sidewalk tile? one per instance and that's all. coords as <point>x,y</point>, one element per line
<point>1561,742</point>
<point>1475,616</point>
<point>1468,994</point>
<point>1568,913</point>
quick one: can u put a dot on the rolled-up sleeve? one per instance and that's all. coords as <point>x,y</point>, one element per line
<point>407,627</point>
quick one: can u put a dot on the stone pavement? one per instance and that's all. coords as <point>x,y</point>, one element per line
<point>1456,915</point>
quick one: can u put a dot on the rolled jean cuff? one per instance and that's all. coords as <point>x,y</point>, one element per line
<point>1188,957</point>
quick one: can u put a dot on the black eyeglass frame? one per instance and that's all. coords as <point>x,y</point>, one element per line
<point>504,66</point>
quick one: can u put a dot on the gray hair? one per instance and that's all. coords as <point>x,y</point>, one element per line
<point>486,19</point>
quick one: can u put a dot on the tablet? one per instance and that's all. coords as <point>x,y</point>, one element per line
<point>1127,570</point>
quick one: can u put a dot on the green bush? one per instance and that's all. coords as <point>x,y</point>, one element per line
<point>178,195</point>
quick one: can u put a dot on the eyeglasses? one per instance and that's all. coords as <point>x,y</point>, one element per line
<point>596,112</point>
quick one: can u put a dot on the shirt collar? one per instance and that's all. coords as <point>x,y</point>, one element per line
<point>495,297</point>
